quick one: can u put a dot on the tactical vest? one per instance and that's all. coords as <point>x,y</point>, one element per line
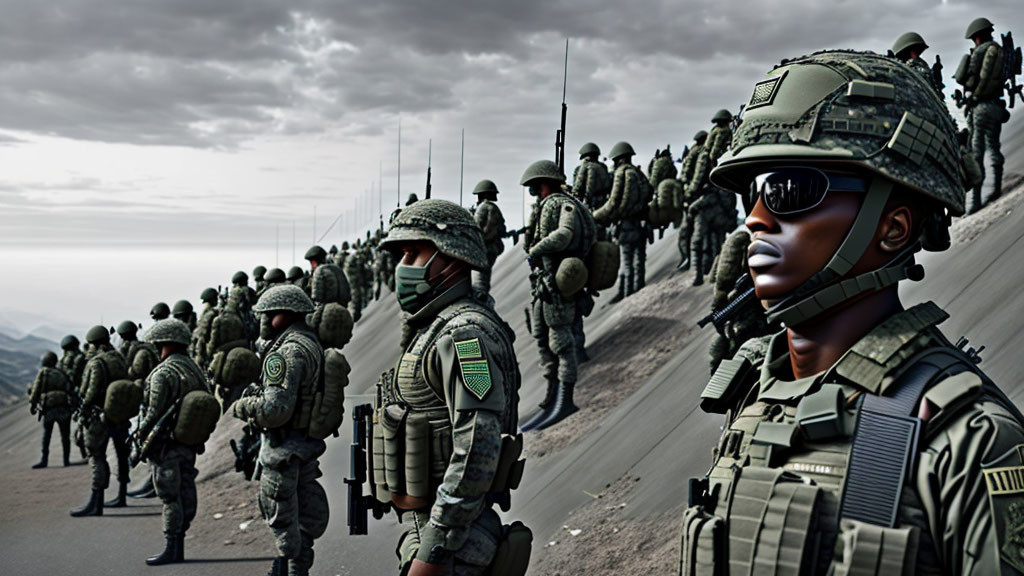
<point>112,367</point>
<point>993,87</point>
<point>412,424</point>
<point>309,344</point>
<point>72,364</point>
<point>804,463</point>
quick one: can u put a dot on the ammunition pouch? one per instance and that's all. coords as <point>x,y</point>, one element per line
<point>869,549</point>
<point>727,385</point>
<point>514,549</point>
<point>703,544</point>
<point>53,399</point>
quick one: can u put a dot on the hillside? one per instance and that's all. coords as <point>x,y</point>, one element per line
<point>19,361</point>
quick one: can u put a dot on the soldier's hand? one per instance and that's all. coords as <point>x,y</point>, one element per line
<point>421,568</point>
<point>32,409</point>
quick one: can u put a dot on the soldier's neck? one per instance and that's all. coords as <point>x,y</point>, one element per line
<point>815,346</point>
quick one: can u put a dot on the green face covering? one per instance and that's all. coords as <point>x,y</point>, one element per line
<point>412,286</point>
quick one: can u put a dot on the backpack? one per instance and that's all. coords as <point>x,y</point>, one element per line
<point>197,417</point>
<point>122,401</point>
<point>328,410</point>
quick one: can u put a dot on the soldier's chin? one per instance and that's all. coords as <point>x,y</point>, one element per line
<point>770,290</point>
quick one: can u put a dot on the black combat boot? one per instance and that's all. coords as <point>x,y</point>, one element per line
<point>300,565</point>
<point>563,408</point>
<point>66,445</point>
<point>622,289</point>
<point>94,507</point>
<point>975,200</point>
<point>549,401</point>
<point>279,567</point>
<point>119,501</point>
<point>172,552</point>
<point>42,462</point>
<point>997,186</point>
<point>684,265</point>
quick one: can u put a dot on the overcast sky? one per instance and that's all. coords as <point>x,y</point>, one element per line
<point>171,123</point>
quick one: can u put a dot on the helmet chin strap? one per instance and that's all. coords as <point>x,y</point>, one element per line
<point>823,291</point>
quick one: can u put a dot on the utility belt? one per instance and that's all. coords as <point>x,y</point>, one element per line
<point>411,452</point>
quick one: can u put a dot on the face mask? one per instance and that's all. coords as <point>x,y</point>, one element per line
<point>412,286</point>
<point>266,327</point>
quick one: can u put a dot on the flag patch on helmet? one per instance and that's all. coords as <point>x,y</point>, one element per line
<point>476,372</point>
<point>765,91</point>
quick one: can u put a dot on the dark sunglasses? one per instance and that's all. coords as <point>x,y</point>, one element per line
<point>794,189</point>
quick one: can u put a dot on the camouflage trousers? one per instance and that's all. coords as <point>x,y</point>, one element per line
<point>294,505</point>
<point>174,477</point>
<point>584,306</point>
<point>62,417</point>
<point>702,245</point>
<point>552,329</point>
<point>472,559</point>
<point>359,299</point>
<point>986,124</point>
<point>685,234</point>
<point>97,436</point>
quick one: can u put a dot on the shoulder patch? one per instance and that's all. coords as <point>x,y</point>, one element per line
<point>1004,481</point>
<point>476,372</point>
<point>274,368</point>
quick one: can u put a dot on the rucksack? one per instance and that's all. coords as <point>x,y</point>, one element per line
<point>328,409</point>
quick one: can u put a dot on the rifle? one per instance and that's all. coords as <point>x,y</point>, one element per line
<point>143,449</point>
<point>745,286</point>
<point>1011,68</point>
<point>937,74</point>
<point>430,152</point>
<point>514,234</point>
<point>358,503</point>
<point>247,451</point>
<point>560,134</point>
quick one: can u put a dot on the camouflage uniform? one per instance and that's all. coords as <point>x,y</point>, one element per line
<point>72,363</point>
<point>705,213</point>
<point>688,176</point>
<point>492,223</point>
<point>661,168</point>
<point>291,499</point>
<point>592,183</point>
<point>626,208</point>
<point>201,335</point>
<point>902,457</point>
<point>355,271</point>
<point>51,395</point>
<point>985,113</point>
<point>141,358</point>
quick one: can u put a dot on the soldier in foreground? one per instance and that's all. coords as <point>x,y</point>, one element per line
<point>72,363</point>
<point>293,503</point>
<point>492,223</point>
<point>981,75</point>
<point>51,398</point>
<point>457,383</point>
<point>859,432</point>
<point>103,366</point>
<point>173,462</point>
<point>556,232</point>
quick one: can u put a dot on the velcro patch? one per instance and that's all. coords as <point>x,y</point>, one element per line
<point>274,368</point>
<point>476,372</point>
<point>1004,480</point>
<point>765,91</point>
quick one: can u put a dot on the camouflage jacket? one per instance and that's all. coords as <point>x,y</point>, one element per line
<point>592,183</point>
<point>662,168</point>
<point>625,201</point>
<point>292,364</point>
<point>689,176</point>
<point>492,223</point>
<point>142,357</point>
<point>104,365</point>
<point>72,363</point>
<point>555,228</point>
<point>985,71</point>
<point>962,505</point>
<point>467,371</point>
<point>921,67</point>
<point>169,381</point>
<point>201,335</point>
<point>719,139</point>
<point>53,382</point>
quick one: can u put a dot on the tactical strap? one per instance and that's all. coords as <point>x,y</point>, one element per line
<point>885,443</point>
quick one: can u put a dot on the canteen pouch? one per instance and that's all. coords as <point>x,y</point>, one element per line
<point>866,549</point>
<point>703,544</point>
<point>514,549</point>
<point>392,424</point>
<point>774,515</point>
<point>417,456</point>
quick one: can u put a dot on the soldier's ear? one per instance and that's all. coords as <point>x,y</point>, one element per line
<point>895,229</point>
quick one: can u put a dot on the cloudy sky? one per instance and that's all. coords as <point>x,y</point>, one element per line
<point>178,125</point>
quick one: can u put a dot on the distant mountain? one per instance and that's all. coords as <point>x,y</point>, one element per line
<point>18,323</point>
<point>19,360</point>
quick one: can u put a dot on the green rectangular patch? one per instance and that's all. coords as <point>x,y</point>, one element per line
<point>475,367</point>
<point>468,349</point>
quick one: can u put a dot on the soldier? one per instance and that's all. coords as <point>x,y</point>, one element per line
<point>908,49</point>
<point>51,398</point>
<point>591,181</point>
<point>173,463</point>
<point>103,366</point>
<point>982,79</point>
<point>556,231</point>
<point>297,277</point>
<point>720,135</point>
<point>860,433</point>
<point>342,255</point>
<point>459,378</point>
<point>273,277</point>
<point>183,311</point>
<point>626,208</point>
<point>355,269</point>
<point>705,213</point>
<point>328,281</point>
<point>72,363</point>
<point>368,264</point>
<point>204,327</point>
<point>257,275</point>
<point>141,357</point>
<point>293,503</point>
<point>159,311</point>
<point>690,195</point>
<point>384,268</point>
<point>661,167</point>
<point>492,223</point>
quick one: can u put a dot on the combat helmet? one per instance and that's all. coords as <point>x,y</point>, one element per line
<point>333,250</point>
<point>485,187</point>
<point>168,331</point>
<point>49,360</point>
<point>209,296</point>
<point>182,308</point>
<point>159,311</point>
<point>316,253</point>
<point>621,149</point>
<point>701,136</point>
<point>541,170</point>
<point>274,275</point>
<point>294,273</point>
<point>284,298</point>
<point>344,246</point>
<point>97,335</point>
<point>446,225</point>
<point>908,41</point>
<point>722,115</point>
<point>857,110</point>
<point>413,198</point>
<point>69,342</point>
<point>127,329</point>
<point>258,272</point>
<point>240,278</point>
<point>977,26</point>
<point>588,149</point>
